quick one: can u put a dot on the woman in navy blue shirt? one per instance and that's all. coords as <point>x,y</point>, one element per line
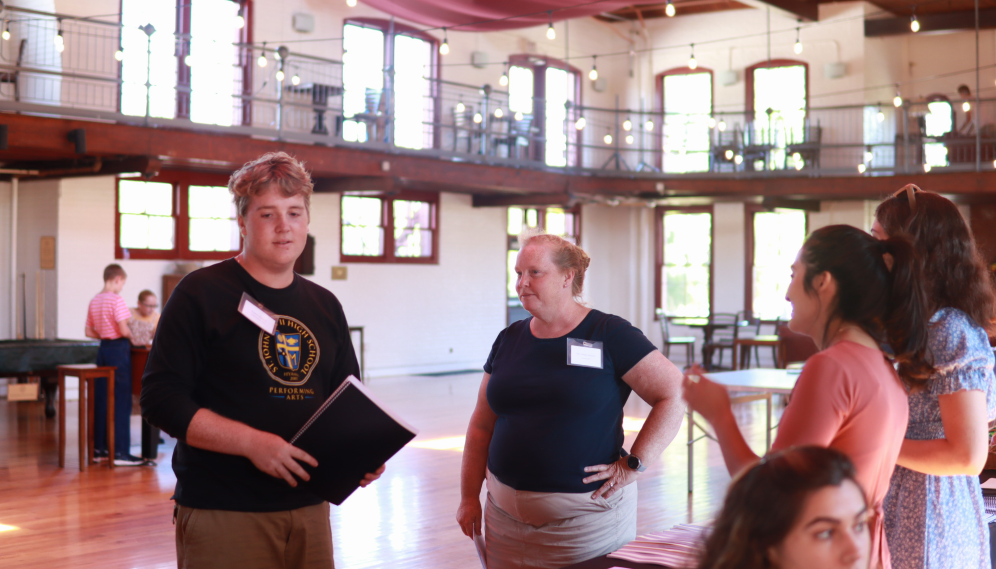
<point>547,430</point>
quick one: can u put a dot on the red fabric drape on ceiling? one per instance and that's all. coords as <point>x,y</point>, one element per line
<point>469,15</point>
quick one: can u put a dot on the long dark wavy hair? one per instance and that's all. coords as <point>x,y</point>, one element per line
<point>887,302</point>
<point>765,501</point>
<point>954,273</point>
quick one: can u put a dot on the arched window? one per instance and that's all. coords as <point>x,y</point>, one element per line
<point>686,100</point>
<point>938,121</point>
<point>777,102</point>
<point>541,88</point>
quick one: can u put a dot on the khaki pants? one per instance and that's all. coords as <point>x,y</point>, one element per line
<point>292,539</point>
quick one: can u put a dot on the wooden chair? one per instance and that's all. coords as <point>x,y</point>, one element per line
<point>519,133</point>
<point>669,340</point>
<point>809,147</point>
<point>12,77</point>
<point>87,374</point>
<point>754,343</point>
<point>724,337</point>
<point>793,347</point>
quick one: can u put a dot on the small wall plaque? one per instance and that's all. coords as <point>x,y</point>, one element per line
<point>339,273</point>
<point>47,253</point>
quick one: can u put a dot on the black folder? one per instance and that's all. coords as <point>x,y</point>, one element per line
<point>350,435</point>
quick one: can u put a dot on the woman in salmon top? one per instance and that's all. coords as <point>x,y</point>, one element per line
<point>850,293</point>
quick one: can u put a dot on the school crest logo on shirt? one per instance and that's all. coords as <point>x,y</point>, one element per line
<point>291,354</point>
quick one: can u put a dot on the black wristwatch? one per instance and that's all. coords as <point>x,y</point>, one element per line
<point>635,463</point>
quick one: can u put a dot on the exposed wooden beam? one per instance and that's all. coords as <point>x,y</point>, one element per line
<point>809,11</point>
<point>934,22</point>
<point>358,184</point>
<point>535,199</point>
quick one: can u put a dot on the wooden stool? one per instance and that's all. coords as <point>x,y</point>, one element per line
<point>742,344</point>
<point>87,374</point>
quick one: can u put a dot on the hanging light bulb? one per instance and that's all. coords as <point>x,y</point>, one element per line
<point>797,48</point>
<point>966,106</point>
<point>738,159</point>
<point>712,122</point>
<point>280,75</point>
<point>861,168</point>
<point>629,139</point>
<point>728,155</point>
<point>60,42</point>
<point>627,125</point>
<point>880,116</point>
<point>593,74</point>
<point>580,123</point>
<point>669,9</point>
<point>503,80</point>
<point>118,54</point>
<point>478,118</point>
<point>649,125</point>
<point>6,31</point>
<point>607,139</point>
<point>295,80</point>
<point>721,125</point>
<point>518,115</point>
<point>796,157</point>
<point>499,113</point>
<point>551,34</point>
<point>444,48</point>
<point>869,156</point>
<point>994,163</point>
<point>914,23</point>
<point>261,60</point>
<point>898,101</point>
<point>926,168</point>
<point>460,107</point>
<point>799,164</point>
<point>240,19</point>
<point>188,60</point>
<point>351,3</point>
<point>692,63</point>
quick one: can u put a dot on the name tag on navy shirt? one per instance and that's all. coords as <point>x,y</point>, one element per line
<point>257,314</point>
<point>584,353</point>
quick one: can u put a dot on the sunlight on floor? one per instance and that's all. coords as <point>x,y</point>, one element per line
<point>446,443</point>
<point>4,527</point>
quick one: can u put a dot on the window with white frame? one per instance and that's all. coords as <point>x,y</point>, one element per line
<point>779,98</point>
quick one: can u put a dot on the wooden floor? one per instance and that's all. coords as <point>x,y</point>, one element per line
<point>122,518</point>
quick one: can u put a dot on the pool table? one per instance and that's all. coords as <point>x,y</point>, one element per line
<point>39,358</point>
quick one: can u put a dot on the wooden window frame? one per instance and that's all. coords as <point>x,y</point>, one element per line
<point>658,136</point>
<point>771,64</point>
<point>387,223</point>
<point>539,63</point>
<point>749,211</point>
<point>435,71</point>
<point>659,212</point>
<point>574,210</point>
<point>181,182</point>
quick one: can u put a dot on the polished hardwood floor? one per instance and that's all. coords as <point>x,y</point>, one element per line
<point>121,518</point>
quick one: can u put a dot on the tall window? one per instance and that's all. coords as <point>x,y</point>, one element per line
<point>938,121</point>
<point>777,237</point>
<point>365,44</point>
<point>685,261</point>
<point>541,89</point>
<point>194,70</point>
<point>778,101</point>
<point>390,229</point>
<point>554,220</point>
<point>687,104</point>
<point>177,215</point>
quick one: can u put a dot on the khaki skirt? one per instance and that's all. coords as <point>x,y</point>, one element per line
<point>544,530</point>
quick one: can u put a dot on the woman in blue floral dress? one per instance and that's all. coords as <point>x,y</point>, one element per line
<point>934,514</point>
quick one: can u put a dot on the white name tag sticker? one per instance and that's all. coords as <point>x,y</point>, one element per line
<point>257,314</point>
<point>584,353</point>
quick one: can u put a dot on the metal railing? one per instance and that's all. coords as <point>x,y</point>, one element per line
<point>61,65</point>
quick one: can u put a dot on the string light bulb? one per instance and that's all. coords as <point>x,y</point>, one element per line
<point>728,155</point>
<point>738,159</point>
<point>499,113</point>
<point>607,139</point>
<point>295,80</point>
<point>460,107</point>
<point>721,125</point>
<point>188,60</point>
<point>518,115</point>
<point>914,23</point>
<point>966,106</point>
<point>797,48</point>
<point>261,60</point>
<point>551,34</point>
<point>351,3</point>
<point>119,54</point>
<point>692,63</point>
<point>444,48</point>
<point>478,118</point>
<point>629,139</point>
<point>580,123</point>
<point>6,31</point>
<point>897,101</point>
<point>861,168</point>
<point>240,19</point>
<point>926,168</point>
<point>280,75</point>
<point>669,9</point>
<point>649,125</point>
<point>712,122</point>
<point>593,74</point>
<point>60,42</point>
<point>880,116</point>
<point>503,80</point>
<point>627,125</point>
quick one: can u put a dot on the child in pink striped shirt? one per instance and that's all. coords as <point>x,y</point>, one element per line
<point>107,320</point>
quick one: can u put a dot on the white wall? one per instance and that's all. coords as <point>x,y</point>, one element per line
<point>37,217</point>
<point>859,213</point>
<point>6,318</point>
<point>728,257</point>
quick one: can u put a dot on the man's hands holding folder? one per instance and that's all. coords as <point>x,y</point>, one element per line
<point>279,459</point>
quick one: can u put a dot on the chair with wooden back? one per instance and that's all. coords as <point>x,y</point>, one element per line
<point>793,347</point>
<point>725,333</point>
<point>669,340</point>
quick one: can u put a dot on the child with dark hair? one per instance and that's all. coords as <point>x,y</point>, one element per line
<point>850,293</point>
<point>107,320</point>
<point>935,517</point>
<point>801,508</point>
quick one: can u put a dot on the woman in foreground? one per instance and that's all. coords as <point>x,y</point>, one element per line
<point>800,508</point>
<point>850,293</point>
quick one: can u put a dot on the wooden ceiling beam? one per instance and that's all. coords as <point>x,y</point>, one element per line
<point>808,11</point>
<point>564,200</point>
<point>931,22</point>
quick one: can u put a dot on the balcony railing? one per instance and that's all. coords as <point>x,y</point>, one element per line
<point>302,98</point>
